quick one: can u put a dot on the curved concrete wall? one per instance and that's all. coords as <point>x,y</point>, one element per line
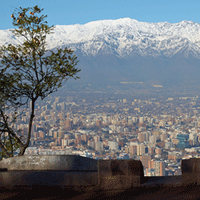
<point>49,162</point>
<point>71,170</point>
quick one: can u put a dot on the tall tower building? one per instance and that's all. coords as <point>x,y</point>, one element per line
<point>97,138</point>
<point>141,120</point>
<point>141,149</point>
<point>64,142</point>
<point>91,143</point>
<point>133,150</point>
<point>141,137</point>
<point>152,139</point>
<point>113,145</point>
<point>57,99</point>
<point>151,150</point>
<point>63,106</point>
<point>150,164</point>
<point>68,125</point>
<point>159,166</point>
<point>144,159</point>
<point>55,107</point>
<point>99,146</point>
<point>61,133</point>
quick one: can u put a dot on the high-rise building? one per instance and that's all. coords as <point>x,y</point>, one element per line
<point>141,148</point>
<point>55,106</point>
<point>51,132</point>
<point>99,146</point>
<point>152,139</point>
<point>85,137</point>
<point>134,119</point>
<point>151,150</point>
<point>64,142</point>
<point>55,134</point>
<point>120,129</point>
<point>141,137</point>
<point>61,133</point>
<point>41,134</point>
<point>63,106</point>
<point>168,144</point>
<point>91,143</point>
<point>57,99</point>
<point>131,150</point>
<point>130,122</point>
<point>141,120</point>
<point>36,134</point>
<point>183,141</point>
<point>68,125</point>
<point>97,138</point>
<point>158,151</point>
<point>113,145</point>
<point>144,159</point>
<point>193,137</point>
<point>150,164</point>
<point>146,136</point>
<point>163,137</point>
<point>159,166</point>
<point>98,123</point>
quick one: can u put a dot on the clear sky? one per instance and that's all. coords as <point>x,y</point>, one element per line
<point>66,12</point>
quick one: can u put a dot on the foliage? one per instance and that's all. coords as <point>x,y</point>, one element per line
<point>29,71</point>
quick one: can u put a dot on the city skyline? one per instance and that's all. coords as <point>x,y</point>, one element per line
<point>158,131</point>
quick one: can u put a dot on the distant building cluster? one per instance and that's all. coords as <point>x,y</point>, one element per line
<point>159,132</point>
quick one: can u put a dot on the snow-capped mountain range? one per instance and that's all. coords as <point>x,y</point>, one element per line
<point>125,50</point>
<point>123,37</point>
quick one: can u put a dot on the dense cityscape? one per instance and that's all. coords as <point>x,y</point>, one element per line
<point>158,131</point>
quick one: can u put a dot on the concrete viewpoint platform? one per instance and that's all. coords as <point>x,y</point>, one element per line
<point>87,178</point>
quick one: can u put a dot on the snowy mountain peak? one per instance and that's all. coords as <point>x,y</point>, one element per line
<point>124,37</point>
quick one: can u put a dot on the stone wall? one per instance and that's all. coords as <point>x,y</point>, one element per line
<point>70,171</point>
<point>191,171</point>
<point>119,174</point>
<point>11,179</point>
<point>49,162</point>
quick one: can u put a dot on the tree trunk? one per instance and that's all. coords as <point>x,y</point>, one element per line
<point>23,148</point>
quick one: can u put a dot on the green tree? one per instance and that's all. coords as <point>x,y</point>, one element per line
<point>9,100</point>
<point>29,71</point>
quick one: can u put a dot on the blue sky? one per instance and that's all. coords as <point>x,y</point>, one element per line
<point>66,12</point>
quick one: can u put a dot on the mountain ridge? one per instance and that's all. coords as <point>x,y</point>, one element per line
<point>125,50</point>
<point>124,37</point>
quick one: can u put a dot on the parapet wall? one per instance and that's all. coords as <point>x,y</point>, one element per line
<point>70,171</point>
<point>81,172</point>
<point>119,174</point>
<point>191,171</point>
<point>49,162</point>
<point>106,178</point>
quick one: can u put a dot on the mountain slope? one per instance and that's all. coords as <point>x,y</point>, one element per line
<point>115,51</point>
